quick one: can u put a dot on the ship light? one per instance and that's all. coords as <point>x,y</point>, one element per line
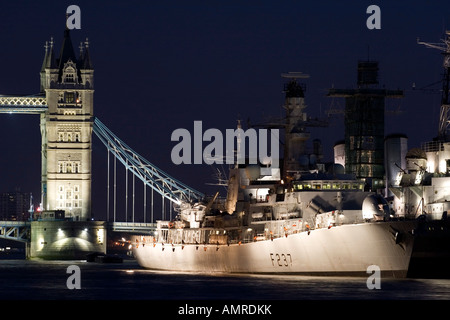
<point>399,177</point>
<point>419,176</point>
<point>443,166</point>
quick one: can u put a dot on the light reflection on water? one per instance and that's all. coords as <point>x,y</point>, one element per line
<point>31,279</point>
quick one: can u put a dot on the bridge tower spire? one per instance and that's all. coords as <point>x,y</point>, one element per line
<point>66,129</point>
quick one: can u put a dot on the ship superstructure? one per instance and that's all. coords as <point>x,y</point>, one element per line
<point>311,219</point>
<point>422,184</point>
<point>421,188</point>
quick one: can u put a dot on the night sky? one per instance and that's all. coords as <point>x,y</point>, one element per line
<point>162,65</point>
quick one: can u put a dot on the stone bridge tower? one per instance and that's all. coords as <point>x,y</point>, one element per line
<point>66,129</point>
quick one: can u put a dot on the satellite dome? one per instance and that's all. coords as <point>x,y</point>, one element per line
<point>416,153</point>
<point>375,207</point>
<point>416,160</point>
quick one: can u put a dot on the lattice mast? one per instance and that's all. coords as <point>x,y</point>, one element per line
<point>444,117</point>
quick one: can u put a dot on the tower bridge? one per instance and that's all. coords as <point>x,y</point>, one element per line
<point>63,228</point>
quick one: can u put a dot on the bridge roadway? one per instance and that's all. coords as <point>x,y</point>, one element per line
<point>31,104</point>
<point>21,230</point>
<point>132,227</point>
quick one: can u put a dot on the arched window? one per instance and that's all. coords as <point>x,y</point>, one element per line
<point>70,77</point>
<point>69,72</point>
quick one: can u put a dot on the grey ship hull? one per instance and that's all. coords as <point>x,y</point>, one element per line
<point>343,250</point>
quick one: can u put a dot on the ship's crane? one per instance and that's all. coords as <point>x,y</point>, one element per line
<point>444,117</point>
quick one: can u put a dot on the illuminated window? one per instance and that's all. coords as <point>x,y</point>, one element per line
<point>69,166</point>
<point>70,97</point>
<point>70,77</point>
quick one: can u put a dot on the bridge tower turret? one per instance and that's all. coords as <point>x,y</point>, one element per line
<point>66,129</point>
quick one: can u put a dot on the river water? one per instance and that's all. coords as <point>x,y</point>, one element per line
<point>48,280</point>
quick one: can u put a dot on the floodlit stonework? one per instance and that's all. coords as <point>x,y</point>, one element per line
<point>66,129</point>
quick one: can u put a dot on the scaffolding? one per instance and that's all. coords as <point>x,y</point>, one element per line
<point>364,123</point>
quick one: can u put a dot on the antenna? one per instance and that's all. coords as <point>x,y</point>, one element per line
<point>293,86</point>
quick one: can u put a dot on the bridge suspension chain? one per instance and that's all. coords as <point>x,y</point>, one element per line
<point>167,186</point>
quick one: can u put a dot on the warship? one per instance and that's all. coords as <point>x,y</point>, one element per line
<point>379,204</point>
<point>303,218</point>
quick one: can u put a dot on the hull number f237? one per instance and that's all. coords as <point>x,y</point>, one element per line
<point>281,260</point>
